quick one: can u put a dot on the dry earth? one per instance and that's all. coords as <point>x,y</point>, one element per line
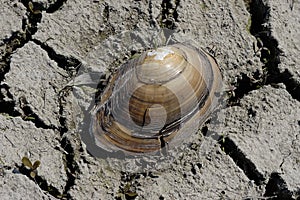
<point>248,150</point>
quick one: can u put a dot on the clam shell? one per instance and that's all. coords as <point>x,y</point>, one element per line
<point>152,100</point>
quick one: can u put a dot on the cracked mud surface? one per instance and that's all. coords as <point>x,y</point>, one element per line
<point>254,153</point>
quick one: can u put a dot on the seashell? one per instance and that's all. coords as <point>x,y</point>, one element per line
<point>152,100</point>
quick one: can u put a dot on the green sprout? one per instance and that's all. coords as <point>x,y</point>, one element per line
<point>32,167</point>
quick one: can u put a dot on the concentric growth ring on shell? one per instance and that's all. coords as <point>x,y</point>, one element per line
<point>150,99</point>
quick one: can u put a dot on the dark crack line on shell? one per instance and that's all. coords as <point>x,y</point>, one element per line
<point>144,117</point>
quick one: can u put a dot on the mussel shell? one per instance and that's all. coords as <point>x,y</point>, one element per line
<point>152,98</point>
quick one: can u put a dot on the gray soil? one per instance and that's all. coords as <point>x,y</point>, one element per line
<point>249,149</point>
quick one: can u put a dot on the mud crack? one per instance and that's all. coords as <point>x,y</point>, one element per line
<point>267,48</point>
<point>69,64</point>
<point>55,6</point>
<point>169,14</point>
<point>152,20</point>
<point>8,105</point>
<point>17,40</point>
<point>270,53</point>
<point>276,188</point>
<point>107,28</point>
<point>29,115</point>
<point>71,167</point>
<point>250,170</point>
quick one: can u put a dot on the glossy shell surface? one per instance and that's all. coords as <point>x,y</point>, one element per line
<point>151,100</point>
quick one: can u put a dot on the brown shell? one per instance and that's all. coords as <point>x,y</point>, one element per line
<point>153,97</point>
